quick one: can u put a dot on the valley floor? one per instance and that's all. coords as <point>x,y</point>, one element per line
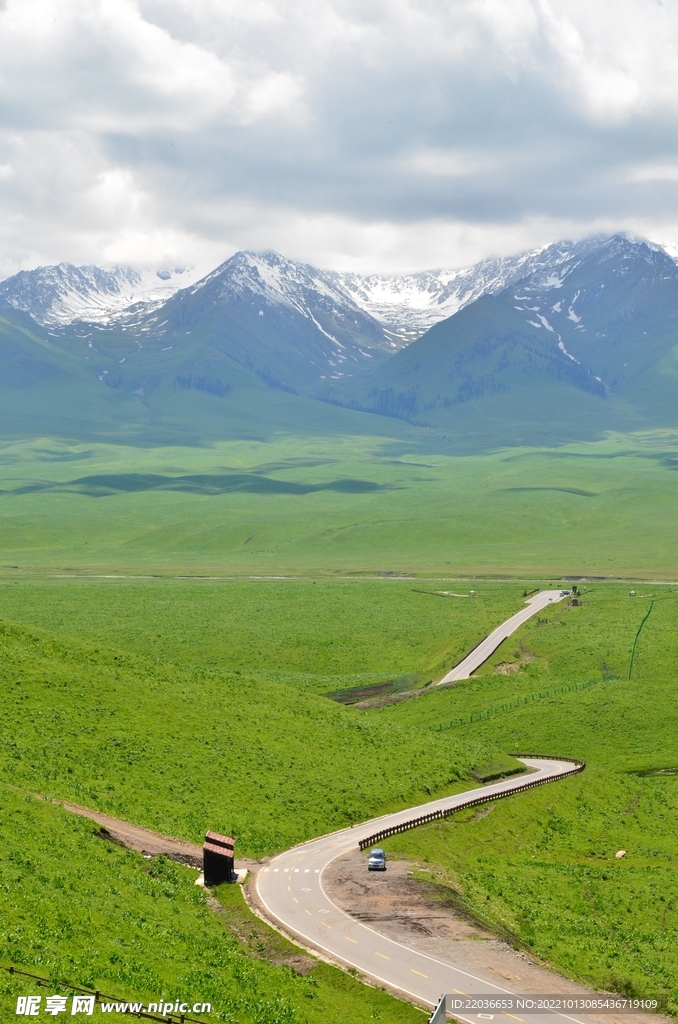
<point>178,703</point>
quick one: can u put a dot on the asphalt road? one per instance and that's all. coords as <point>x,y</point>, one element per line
<point>290,887</point>
<point>489,645</point>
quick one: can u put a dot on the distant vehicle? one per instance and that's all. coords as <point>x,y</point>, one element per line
<point>376,860</point>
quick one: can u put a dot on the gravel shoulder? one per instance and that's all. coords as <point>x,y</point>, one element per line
<point>423,916</point>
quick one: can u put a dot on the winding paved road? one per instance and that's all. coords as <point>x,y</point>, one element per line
<point>488,646</point>
<point>290,889</point>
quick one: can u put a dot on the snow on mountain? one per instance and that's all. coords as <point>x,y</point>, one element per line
<point>59,295</point>
<point>404,306</point>
<point>407,305</point>
<point>300,287</point>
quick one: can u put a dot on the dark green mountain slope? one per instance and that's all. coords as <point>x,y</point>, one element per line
<point>44,389</point>
<point>559,355</point>
<point>82,384</point>
<point>280,322</point>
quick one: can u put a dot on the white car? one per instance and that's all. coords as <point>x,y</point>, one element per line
<point>376,860</point>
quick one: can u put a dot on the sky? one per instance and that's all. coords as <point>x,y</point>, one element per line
<point>365,135</point>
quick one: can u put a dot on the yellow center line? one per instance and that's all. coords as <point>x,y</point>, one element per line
<point>311,915</point>
<point>514,1017</point>
<point>382,955</point>
<point>295,899</point>
<point>289,888</point>
<point>459,992</point>
<point>355,941</point>
<point>419,973</point>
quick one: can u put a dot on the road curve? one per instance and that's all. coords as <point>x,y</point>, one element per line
<point>290,888</point>
<point>488,646</point>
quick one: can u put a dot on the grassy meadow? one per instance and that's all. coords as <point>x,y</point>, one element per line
<point>540,867</point>
<point>83,910</point>
<point>321,635</point>
<point>170,619</point>
<point>340,504</point>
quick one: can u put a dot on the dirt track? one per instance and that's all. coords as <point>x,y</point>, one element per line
<point>143,840</point>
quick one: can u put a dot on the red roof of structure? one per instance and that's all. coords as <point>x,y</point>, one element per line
<point>214,837</point>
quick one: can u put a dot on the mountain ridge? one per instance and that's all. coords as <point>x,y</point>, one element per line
<point>404,305</point>
<point>585,341</point>
<point>600,334</point>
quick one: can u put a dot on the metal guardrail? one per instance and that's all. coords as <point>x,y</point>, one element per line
<point>172,1018</point>
<point>404,826</point>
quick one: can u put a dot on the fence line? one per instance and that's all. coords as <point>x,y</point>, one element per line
<point>404,826</point>
<point>635,639</point>
<point>172,1018</point>
<point>528,698</point>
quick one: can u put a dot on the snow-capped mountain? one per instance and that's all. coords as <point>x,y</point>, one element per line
<point>59,295</point>
<point>278,281</point>
<point>597,327</point>
<point>285,321</point>
<point>408,305</point>
<point>405,306</point>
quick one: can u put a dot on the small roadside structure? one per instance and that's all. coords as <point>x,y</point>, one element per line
<point>217,859</point>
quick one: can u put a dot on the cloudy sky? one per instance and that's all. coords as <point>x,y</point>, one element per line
<point>360,134</point>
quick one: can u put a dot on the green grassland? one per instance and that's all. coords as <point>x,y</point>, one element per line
<point>132,686</point>
<point>540,867</point>
<point>184,747</point>
<point>320,635</point>
<point>350,504</point>
<point>76,908</point>
<point>176,745</point>
<point>181,751</point>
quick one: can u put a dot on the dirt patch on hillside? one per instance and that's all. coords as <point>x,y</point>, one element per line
<point>505,668</point>
<point>143,840</point>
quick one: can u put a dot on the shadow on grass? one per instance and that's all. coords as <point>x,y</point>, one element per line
<point>100,486</point>
<point>564,490</point>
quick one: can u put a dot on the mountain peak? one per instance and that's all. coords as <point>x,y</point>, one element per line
<point>62,293</point>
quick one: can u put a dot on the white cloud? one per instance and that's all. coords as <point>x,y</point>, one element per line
<point>358,133</point>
